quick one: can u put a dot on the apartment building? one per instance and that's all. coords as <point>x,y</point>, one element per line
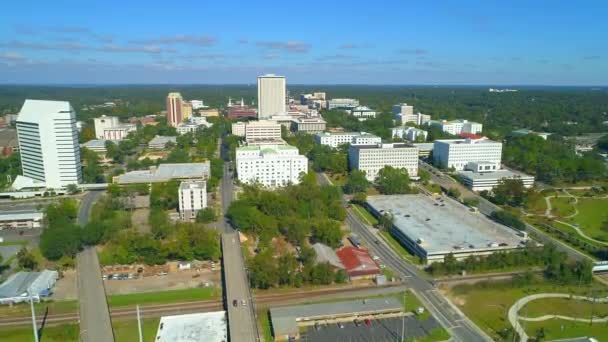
<point>409,133</point>
<point>192,198</point>
<point>372,158</point>
<point>340,138</point>
<point>270,165</point>
<point>458,153</point>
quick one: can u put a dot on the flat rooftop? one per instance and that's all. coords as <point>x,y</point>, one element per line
<point>166,172</point>
<point>285,319</point>
<point>442,225</point>
<point>492,175</point>
<point>197,327</point>
<point>19,215</point>
<point>467,141</point>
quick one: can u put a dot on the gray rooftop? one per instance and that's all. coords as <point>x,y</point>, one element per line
<point>197,327</point>
<point>450,223</point>
<point>18,215</point>
<point>160,140</point>
<point>20,283</point>
<point>285,319</point>
<point>166,172</point>
<point>325,253</point>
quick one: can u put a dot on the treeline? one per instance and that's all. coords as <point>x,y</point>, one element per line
<point>10,167</point>
<point>552,160</point>
<point>300,212</point>
<point>554,263</point>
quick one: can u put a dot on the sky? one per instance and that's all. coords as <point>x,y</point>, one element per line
<point>310,42</point>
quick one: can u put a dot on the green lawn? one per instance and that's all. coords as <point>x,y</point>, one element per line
<point>12,243</point>
<point>338,179</point>
<point>560,329</point>
<point>173,296</point>
<point>565,307</point>
<point>364,215</point>
<point>59,333</point>
<point>592,214</point>
<point>264,324</point>
<point>562,206</point>
<point>127,330</point>
<point>487,303</point>
<point>23,309</point>
<point>435,335</point>
<point>397,247</point>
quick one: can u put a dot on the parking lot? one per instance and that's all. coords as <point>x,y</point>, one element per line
<point>380,330</point>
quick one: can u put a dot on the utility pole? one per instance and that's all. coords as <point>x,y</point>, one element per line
<point>403,320</point>
<point>141,337</point>
<point>34,326</point>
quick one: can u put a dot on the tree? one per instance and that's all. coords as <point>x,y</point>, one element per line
<point>340,277</point>
<point>424,175</point>
<point>59,240</point>
<point>508,219</point>
<point>393,181</point>
<point>73,189</point>
<point>454,193</point>
<point>356,182</point>
<point>509,191</point>
<point>327,231</point>
<point>205,215</point>
<point>26,260</point>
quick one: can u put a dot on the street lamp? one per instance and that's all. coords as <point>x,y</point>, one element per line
<point>34,326</point>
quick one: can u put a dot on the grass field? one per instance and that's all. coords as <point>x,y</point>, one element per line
<point>60,333</point>
<point>398,248</point>
<point>560,329</point>
<point>127,331</point>
<point>364,215</point>
<point>562,206</point>
<point>435,335</point>
<point>13,243</point>
<point>264,324</point>
<point>565,307</point>
<point>162,297</point>
<point>487,303</point>
<point>338,179</point>
<point>23,309</point>
<point>592,214</point>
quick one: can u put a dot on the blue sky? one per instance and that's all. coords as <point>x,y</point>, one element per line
<point>314,42</point>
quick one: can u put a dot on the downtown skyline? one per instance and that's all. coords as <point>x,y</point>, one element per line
<point>455,43</point>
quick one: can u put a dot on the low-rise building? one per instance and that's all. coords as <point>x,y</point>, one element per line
<point>19,287</point>
<point>358,263</point>
<point>160,142</point>
<point>192,198</point>
<point>487,180</point>
<point>335,139</point>
<point>418,118</point>
<point>198,104</point>
<point>372,158</point>
<point>424,149</point>
<point>195,327</point>
<point>270,165</point>
<point>110,128</point>
<point>193,125</point>
<point>165,173</point>
<point>8,141</point>
<point>457,153</point>
<point>20,219</point>
<point>455,127</point>
<point>363,113</point>
<point>344,104</point>
<point>208,112</point>
<point>97,145</point>
<point>309,124</point>
<point>241,111</point>
<point>409,133</point>
<point>520,132</point>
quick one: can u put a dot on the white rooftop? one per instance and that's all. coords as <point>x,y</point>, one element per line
<point>442,225</point>
<point>32,109</point>
<point>197,327</point>
<point>166,172</point>
<point>493,175</point>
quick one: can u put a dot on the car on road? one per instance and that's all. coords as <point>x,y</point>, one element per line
<point>235,303</point>
<point>243,302</point>
<point>368,322</point>
<point>357,322</point>
<point>340,325</point>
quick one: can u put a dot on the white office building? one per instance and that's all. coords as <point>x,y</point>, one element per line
<point>459,153</point>
<point>198,104</point>
<point>363,113</point>
<point>270,165</point>
<point>345,104</point>
<point>193,125</point>
<point>372,158</point>
<point>192,198</point>
<point>110,128</point>
<point>482,180</point>
<point>340,138</point>
<point>418,118</point>
<point>455,127</point>
<point>48,143</point>
<point>271,95</point>
<point>409,133</point>
<point>403,109</point>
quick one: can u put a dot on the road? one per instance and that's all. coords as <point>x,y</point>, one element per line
<point>452,319</point>
<point>487,208</point>
<point>95,323</point>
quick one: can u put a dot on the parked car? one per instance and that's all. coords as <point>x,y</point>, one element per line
<point>243,302</point>
<point>368,322</point>
<point>357,322</point>
<point>235,303</point>
<point>340,325</point>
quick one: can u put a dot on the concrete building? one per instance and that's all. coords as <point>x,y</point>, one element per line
<point>20,219</point>
<point>103,122</point>
<point>340,138</point>
<point>433,228</point>
<point>372,158</point>
<point>110,128</point>
<point>160,142</point>
<point>271,95</point>
<point>20,286</point>
<point>8,141</point>
<point>308,124</point>
<point>409,133</point>
<point>208,112</point>
<point>455,127</point>
<point>198,104</point>
<point>483,180</point>
<point>418,118</point>
<point>165,173</point>
<point>458,153</point>
<point>424,149</point>
<point>315,100</point>
<point>263,129</point>
<point>97,145</point>
<point>238,128</point>
<point>403,109</point>
<point>344,104</point>
<point>193,125</point>
<point>186,110</point>
<point>363,113</point>
<point>288,321</point>
<point>520,132</point>
<point>195,327</point>
<point>270,165</point>
<point>175,104</point>
<point>48,143</point>
<point>192,198</point>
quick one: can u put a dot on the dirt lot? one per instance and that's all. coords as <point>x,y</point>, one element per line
<point>172,281</point>
<point>66,287</point>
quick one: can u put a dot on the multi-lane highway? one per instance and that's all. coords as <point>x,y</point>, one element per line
<point>486,207</point>
<point>95,324</point>
<point>459,326</point>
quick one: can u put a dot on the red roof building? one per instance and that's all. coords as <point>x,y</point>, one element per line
<point>237,112</point>
<point>470,135</point>
<point>357,262</point>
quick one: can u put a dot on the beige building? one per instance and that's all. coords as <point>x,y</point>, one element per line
<point>209,112</point>
<point>372,158</point>
<point>308,125</point>
<point>271,95</point>
<point>186,110</point>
